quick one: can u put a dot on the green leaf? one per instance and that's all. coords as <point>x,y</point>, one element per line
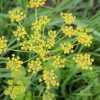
<point>5,75</point>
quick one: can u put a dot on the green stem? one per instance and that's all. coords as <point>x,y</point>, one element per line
<point>56,50</point>
<point>79,51</point>
<point>30,59</point>
<point>43,30</point>
<point>70,56</point>
<point>36,13</point>
<point>61,39</point>
<point>17,50</point>
<point>61,28</point>
<point>26,32</point>
<point>76,47</point>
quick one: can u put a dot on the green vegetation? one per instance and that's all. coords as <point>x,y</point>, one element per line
<point>75,84</point>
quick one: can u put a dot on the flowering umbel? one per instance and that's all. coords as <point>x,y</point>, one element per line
<point>17,15</point>
<point>58,62</point>
<point>68,31</point>
<point>14,90</point>
<point>14,63</point>
<point>38,24</point>
<point>84,61</point>
<point>34,66</point>
<point>67,47</point>
<point>3,44</point>
<point>84,39</point>
<point>50,79</point>
<point>19,33</point>
<point>36,3</point>
<point>68,18</point>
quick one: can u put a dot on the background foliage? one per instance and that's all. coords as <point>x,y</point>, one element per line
<point>74,86</point>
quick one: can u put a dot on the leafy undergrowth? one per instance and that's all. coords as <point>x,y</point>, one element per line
<point>53,57</point>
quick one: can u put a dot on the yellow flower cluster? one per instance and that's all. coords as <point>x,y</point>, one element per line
<point>42,21</point>
<point>79,29</point>
<point>36,3</point>
<point>26,45</point>
<point>68,31</point>
<point>45,55</point>
<point>14,63</point>
<point>10,82</point>
<point>14,90</point>
<point>52,34</point>
<point>66,47</point>
<point>51,40</point>
<point>50,79</point>
<point>17,15</point>
<point>40,44</point>
<point>37,37</point>
<point>82,36</point>
<point>16,86</point>
<point>19,33</point>
<point>34,66</point>
<point>3,44</point>
<point>68,18</point>
<point>58,62</point>
<point>84,61</point>
<point>48,95</point>
<point>36,43</point>
<point>84,39</point>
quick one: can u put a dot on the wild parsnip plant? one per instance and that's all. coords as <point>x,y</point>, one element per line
<point>54,54</point>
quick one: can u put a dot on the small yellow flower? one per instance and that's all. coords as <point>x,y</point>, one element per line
<point>8,90</point>
<point>14,91</point>
<point>3,44</point>
<point>84,39</point>
<point>27,45</point>
<point>52,34</point>
<point>17,15</point>
<point>68,31</point>
<point>84,61</point>
<point>50,42</point>
<point>19,33</point>
<point>66,47</point>
<point>50,79</point>
<point>80,29</point>
<point>58,62</point>
<point>17,91</point>
<point>68,18</point>
<point>10,82</point>
<point>36,3</point>
<point>14,63</point>
<point>47,95</point>
<point>34,66</point>
<point>36,37</point>
<point>40,80</point>
<point>42,21</point>
<point>44,55</point>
